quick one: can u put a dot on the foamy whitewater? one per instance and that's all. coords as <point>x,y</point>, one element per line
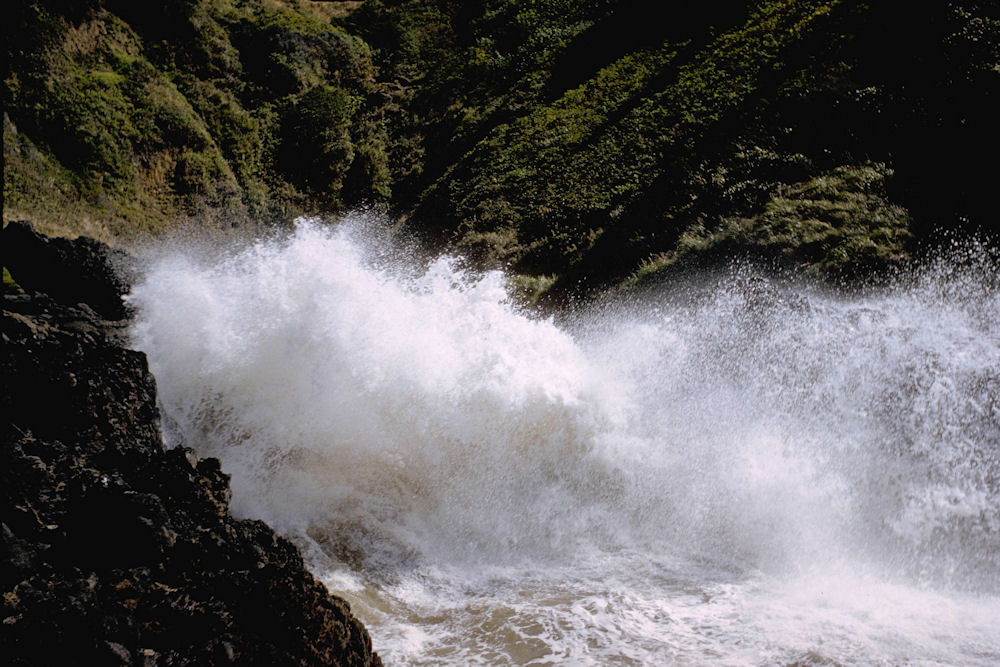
<point>738,472</point>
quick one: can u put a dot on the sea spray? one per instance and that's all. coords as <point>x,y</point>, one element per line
<point>744,469</point>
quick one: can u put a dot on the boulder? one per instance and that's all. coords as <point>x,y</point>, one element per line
<point>69,271</point>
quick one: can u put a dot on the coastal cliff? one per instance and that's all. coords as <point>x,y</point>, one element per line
<point>579,145</point>
<point>116,550</point>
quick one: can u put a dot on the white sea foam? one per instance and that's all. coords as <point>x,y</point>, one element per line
<point>743,471</point>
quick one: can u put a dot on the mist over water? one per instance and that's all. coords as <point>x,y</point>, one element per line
<point>741,471</point>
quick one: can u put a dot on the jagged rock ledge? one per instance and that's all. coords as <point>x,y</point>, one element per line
<point>116,551</point>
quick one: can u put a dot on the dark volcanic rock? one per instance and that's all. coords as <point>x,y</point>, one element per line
<point>115,551</point>
<point>74,271</point>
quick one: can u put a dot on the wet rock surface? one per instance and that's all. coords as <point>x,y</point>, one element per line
<point>116,551</point>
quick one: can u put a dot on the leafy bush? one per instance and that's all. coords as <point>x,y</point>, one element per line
<point>316,147</point>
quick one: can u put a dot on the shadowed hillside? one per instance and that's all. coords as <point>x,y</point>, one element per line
<point>586,142</point>
<point>581,144</point>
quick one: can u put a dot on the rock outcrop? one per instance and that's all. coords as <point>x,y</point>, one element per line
<point>80,270</point>
<point>115,550</point>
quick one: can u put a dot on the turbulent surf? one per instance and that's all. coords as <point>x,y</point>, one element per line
<point>735,470</point>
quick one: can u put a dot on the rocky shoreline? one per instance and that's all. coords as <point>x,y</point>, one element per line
<point>116,550</point>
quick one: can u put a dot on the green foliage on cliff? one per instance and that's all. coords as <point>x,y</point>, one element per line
<point>581,143</point>
<point>836,225</point>
<point>136,115</point>
<point>619,141</point>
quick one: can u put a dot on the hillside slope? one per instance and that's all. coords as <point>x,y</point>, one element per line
<point>134,116</point>
<point>593,142</point>
<point>581,144</point>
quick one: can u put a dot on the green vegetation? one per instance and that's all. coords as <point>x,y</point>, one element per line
<point>581,144</point>
<point>8,280</point>
<point>623,147</point>
<point>139,116</point>
<point>837,225</point>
